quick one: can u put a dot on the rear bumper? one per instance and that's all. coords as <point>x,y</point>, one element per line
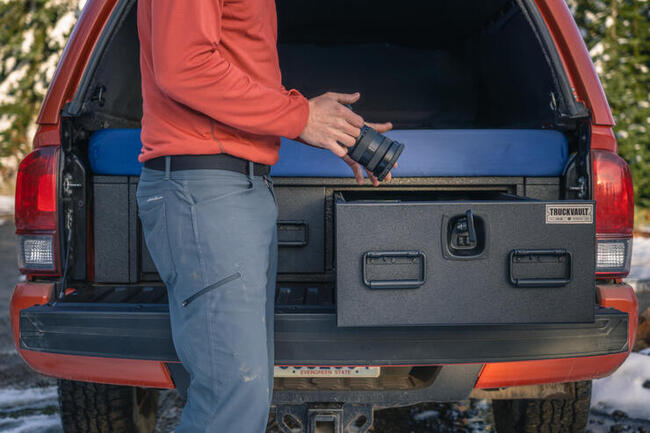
<point>92,342</point>
<point>143,332</point>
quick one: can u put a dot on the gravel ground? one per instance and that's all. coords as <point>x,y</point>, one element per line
<point>28,402</point>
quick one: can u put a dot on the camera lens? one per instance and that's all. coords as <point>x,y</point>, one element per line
<point>375,152</point>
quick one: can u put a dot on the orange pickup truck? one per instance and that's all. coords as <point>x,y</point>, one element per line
<point>491,265</point>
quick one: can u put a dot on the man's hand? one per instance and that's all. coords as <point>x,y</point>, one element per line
<point>331,124</point>
<point>335,127</point>
<point>357,169</point>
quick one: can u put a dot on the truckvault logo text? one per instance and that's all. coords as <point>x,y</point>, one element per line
<point>569,214</point>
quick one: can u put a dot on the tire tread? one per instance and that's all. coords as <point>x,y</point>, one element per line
<point>98,408</point>
<point>544,416</point>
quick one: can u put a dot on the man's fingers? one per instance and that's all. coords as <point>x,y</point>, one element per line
<point>358,173</point>
<point>345,139</point>
<point>389,176</point>
<point>381,127</point>
<point>356,169</point>
<point>353,118</point>
<point>373,178</point>
<point>346,127</point>
<point>338,150</point>
<point>345,98</point>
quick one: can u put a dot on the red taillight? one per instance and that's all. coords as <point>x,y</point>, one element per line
<point>36,212</point>
<point>614,214</point>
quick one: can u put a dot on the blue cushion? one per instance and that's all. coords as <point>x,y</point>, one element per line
<point>462,152</point>
<point>445,152</point>
<point>115,151</point>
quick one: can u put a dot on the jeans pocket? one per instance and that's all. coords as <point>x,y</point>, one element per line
<point>221,282</point>
<point>153,216</point>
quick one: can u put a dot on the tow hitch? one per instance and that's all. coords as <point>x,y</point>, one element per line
<point>324,418</point>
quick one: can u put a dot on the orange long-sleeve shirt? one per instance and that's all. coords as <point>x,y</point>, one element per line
<point>211,80</point>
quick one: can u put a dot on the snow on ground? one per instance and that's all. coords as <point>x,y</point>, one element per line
<point>6,205</point>
<point>627,390</point>
<point>17,398</point>
<point>600,422</point>
<point>31,410</point>
<point>32,424</point>
<point>640,259</point>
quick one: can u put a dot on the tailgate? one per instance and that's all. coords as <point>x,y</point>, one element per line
<point>436,260</point>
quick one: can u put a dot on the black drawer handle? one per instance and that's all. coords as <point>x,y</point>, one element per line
<point>293,233</point>
<point>415,256</point>
<point>530,256</point>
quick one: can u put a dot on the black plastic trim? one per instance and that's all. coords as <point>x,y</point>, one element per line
<point>571,106</point>
<point>122,8</point>
<point>143,332</point>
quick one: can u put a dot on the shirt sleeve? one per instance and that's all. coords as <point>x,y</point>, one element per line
<point>190,69</point>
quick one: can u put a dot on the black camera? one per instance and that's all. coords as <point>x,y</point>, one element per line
<point>376,152</point>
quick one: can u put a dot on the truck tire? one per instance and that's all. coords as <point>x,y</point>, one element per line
<point>544,416</point>
<point>97,408</point>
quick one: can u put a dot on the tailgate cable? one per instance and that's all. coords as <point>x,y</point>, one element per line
<point>68,227</point>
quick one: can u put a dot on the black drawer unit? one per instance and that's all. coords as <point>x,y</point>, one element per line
<point>112,236</point>
<point>301,229</point>
<point>121,255</point>
<point>491,259</point>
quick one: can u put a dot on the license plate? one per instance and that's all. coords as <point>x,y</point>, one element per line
<point>333,372</point>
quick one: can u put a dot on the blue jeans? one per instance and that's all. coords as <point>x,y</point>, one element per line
<point>212,236</point>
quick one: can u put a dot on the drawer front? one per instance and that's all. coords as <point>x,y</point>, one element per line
<point>301,229</point>
<point>438,263</point>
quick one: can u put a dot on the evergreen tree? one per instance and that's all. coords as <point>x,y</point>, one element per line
<point>32,36</point>
<point>617,33</point>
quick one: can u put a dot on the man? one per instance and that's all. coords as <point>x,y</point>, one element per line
<point>214,109</point>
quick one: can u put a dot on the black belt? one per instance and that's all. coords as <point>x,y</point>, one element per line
<point>219,161</point>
